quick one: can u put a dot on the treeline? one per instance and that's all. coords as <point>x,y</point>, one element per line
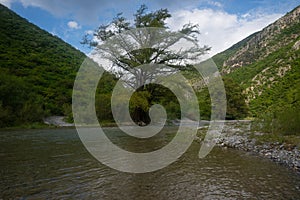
<point>284,120</point>
<point>275,105</point>
<point>37,72</point>
<point>277,109</point>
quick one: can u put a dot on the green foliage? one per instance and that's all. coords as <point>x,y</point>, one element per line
<point>269,138</point>
<point>165,97</point>
<point>18,103</point>
<point>288,121</point>
<point>223,56</point>
<point>173,110</point>
<point>37,71</point>
<point>140,99</point>
<point>149,95</point>
<point>285,122</point>
<point>269,55</point>
<point>288,141</point>
<point>103,107</point>
<point>285,119</point>
<point>245,74</point>
<point>204,103</point>
<point>276,104</point>
<point>152,19</point>
<point>5,116</point>
<point>159,52</point>
<point>103,98</point>
<point>276,91</point>
<point>68,113</point>
<point>236,106</point>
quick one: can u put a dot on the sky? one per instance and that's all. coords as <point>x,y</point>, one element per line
<point>222,23</point>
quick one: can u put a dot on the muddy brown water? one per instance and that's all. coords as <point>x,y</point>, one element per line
<point>53,164</point>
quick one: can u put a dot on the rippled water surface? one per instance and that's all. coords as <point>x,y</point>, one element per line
<point>53,164</point>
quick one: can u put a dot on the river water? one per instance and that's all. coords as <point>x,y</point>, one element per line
<point>53,164</point>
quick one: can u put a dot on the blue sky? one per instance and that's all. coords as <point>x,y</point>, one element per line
<point>222,22</point>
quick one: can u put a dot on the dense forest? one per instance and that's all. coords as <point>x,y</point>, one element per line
<point>37,71</point>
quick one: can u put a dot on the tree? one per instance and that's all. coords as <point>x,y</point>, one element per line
<point>236,106</point>
<point>155,46</point>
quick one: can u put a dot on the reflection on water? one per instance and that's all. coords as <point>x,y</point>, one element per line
<point>53,164</point>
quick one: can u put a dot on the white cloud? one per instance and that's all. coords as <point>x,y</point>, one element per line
<point>7,3</point>
<point>89,32</point>
<point>88,12</point>
<point>73,25</point>
<point>219,29</point>
<point>215,3</point>
<point>92,11</point>
<point>85,12</point>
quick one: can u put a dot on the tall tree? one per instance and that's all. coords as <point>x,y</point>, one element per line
<point>154,46</point>
<point>236,105</point>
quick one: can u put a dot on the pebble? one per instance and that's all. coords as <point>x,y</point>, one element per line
<point>231,137</point>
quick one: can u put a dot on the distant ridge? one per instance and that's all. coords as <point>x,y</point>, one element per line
<point>267,64</point>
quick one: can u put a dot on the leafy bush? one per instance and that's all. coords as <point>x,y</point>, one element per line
<point>285,122</point>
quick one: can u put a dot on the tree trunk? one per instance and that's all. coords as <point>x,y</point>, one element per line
<point>140,117</point>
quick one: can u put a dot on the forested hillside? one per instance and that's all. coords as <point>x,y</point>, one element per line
<point>37,71</point>
<point>267,66</point>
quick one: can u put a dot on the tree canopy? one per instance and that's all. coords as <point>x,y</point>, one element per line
<point>146,41</point>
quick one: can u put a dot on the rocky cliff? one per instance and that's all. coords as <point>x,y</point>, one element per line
<point>267,64</point>
<point>263,43</point>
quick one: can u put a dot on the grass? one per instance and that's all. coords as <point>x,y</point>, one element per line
<point>287,140</point>
<point>35,125</point>
<point>108,124</point>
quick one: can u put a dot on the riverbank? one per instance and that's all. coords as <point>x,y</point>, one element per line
<point>236,134</point>
<point>284,150</point>
<point>57,121</point>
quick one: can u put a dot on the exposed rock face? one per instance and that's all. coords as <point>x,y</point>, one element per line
<point>296,45</point>
<point>265,79</point>
<point>265,58</point>
<point>262,43</point>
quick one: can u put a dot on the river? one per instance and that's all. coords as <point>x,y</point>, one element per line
<point>53,164</point>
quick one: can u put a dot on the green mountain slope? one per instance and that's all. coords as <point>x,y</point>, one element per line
<point>220,58</point>
<point>267,65</point>
<point>37,71</point>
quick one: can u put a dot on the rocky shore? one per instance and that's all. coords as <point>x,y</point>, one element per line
<point>57,121</point>
<point>238,135</point>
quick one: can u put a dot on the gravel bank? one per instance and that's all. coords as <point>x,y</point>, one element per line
<point>239,136</point>
<point>57,121</point>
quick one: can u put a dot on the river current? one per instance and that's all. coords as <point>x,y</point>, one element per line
<point>53,164</point>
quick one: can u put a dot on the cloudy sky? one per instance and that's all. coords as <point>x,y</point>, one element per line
<point>222,22</point>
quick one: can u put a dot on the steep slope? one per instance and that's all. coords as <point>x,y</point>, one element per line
<point>263,43</point>
<point>37,71</point>
<point>220,58</point>
<point>266,64</point>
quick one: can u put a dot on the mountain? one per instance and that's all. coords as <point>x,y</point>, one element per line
<point>267,65</point>
<point>37,71</point>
